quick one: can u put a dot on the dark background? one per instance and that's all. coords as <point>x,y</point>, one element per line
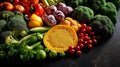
<point>106,54</point>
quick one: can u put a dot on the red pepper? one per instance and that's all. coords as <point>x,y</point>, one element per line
<point>16,2</point>
<point>38,9</point>
<point>27,11</point>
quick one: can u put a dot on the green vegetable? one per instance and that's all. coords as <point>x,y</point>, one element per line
<point>12,21</point>
<point>46,50</point>
<point>17,23</point>
<point>52,54</point>
<point>102,26</point>
<point>40,29</point>
<point>13,37</point>
<point>2,52</point>
<point>83,14</point>
<point>109,10</point>
<point>10,51</point>
<point>16,37</point>
<point>62,54</point>
<point>40,54</point>
<point>23,48</point>
<point>5,15</point>
<point>3,36</point>
<point>27,51</point>
<point>116,2</point>
<point>2,24</point>
<point>32,38</point>
<point>84,2</point>
<point>95,5</point>
<point>18,13</point>
<point>74,3</point>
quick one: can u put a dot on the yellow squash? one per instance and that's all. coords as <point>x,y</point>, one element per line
<point>72,23</point>
<point>60,37</point>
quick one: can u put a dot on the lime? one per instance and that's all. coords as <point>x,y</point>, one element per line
<point>62,54</point>
<point>40,55</point>
<point>52,54</point>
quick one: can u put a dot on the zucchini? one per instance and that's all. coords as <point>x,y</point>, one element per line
<point>39,29</point>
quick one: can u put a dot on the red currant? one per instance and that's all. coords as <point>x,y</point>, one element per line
<point>83,26</point>
<point>86,37</point>
<point>94,41</point>
<point>89,46</point>
<point>85,42</point>
<point>81,40</point>
<point>88,28</point>
<point>71,47</point>
<point>77,47</point>
<point>93,37</point>
<point>71,51</point>
<point>78,52</point>
<point>86,34</point>
<point>83,30</point>
<point>81,45</point>
<point>80,35</point>
<point>91,33</point>
<point>89,41</point>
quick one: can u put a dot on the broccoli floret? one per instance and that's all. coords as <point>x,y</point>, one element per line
<point>95,5</point>
<point>73,3</point>
<point>2,52</point>
<point>83,14</point>
<point>3,36</point>
<point>2,24</point>
<point>28,52</point>
<point>116,2</point>
<point>13,37</point>
<point>17,23</point>
<point>18,13</point>
<point>5,15</point>
<point>102,25</point>
<point>8,51</point>
<point>24,48</point>
<point>32,38</point>
<point>31,46</point>
<point>109,10</point>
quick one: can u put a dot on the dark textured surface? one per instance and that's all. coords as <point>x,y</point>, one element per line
<point>106,54</point>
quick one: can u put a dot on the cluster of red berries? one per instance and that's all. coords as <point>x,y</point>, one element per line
<point>86,38</point>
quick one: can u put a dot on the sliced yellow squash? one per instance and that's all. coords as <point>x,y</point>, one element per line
<point>60,37</point>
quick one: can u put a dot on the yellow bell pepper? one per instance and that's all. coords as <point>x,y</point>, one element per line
<point>35,21</point>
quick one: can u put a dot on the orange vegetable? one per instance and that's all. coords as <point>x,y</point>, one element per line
<point>60,37</point>
<point>19,8</point>
<point>7,6</point>
<point>72,23</point>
